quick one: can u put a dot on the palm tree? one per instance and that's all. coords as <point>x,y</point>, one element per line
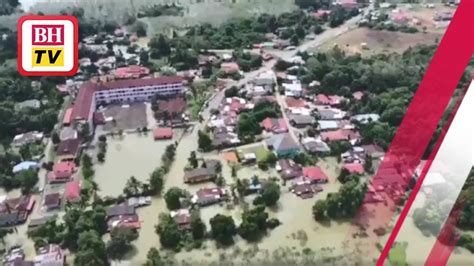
<point>132,187</point>
<point>94,188</point>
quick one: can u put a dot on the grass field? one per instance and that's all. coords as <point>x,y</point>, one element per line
<point>379,41</point>
<point>195,12</point>
<point>260,151</point>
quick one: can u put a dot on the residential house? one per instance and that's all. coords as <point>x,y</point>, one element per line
<point>28,104</point>
<point>267,78</point>
<point>373,151</point>
<point>27,138</point>
<point>139,201</point>
<point>208,196</point>
<point>301,121</point>
<point>289,169</point>
<point>161,133</point>
<point>50,255</point>
<point>36,223</point>
<point>69,149</point>
<point>230,67</point>
<point>199,175</point>
<point>52,201</point>
<point>68,133</point>
<point>283,145</point>
<point>354,168</point>
<point>293,89</point>
<point>305,190</point>
<point>315,174</point>
<point>292,102</point>
<point>123,221</point>
<point>182,217</point>
<point>326,125</point>
<point>119,210</point>
<point>365,118</point>
<point>72,191</point>
<point>15,211</point>
<point>330,114</point>
<point>315,145</point>
<point>358,95</point>
<point>62,172</point>
<point>24,166</point>
<point>16,257</point>
<point>341,135</point>
<point>331,100</point>
<point>249,158</point>
<point>173,108</point>
<point>274,125</point>
<point>129,72</point>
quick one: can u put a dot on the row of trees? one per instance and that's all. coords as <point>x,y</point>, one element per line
<point>342,204</point>
<point>255,224</point>
<point>155,183</point>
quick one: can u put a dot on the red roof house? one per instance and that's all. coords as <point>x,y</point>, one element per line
<point>315,174</point>
<point>62,172</point>
<point>131,72</point>
<point>354,168</point>
<point>72,192</point>
<point>163,133</point>
<point>295,103</point>
<point>358,95</point>
<point>331,100</point>
<point>68,117</point>
<point>275,125</point>
<point>340,134</point>
<point>230,68</point>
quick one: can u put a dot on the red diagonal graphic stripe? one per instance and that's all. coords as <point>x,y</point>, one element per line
<point>418,126</point>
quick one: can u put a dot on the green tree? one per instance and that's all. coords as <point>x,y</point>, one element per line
<point>198,228</point>
<point>270,195</point>
<point>55,138</point>
<point>248,127</point>
<point>319,210</point>
<point>204,141</point>
<point>173,198</point>
<point>153,258</point>
<point>159,46</point>
<point>92,250</point>
<point>169,232</point>
<point>223,229</point>
<point>156,180</point>
<point>27,180</point>
<point>120,242</point>
<point>193,162</point>
<point>101,157</point>
<point>254,224</point>
<point>132,188</point>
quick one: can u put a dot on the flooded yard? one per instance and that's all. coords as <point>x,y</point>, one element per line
<point>130,155</point>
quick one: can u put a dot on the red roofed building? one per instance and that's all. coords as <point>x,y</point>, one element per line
<point>358,95</point>
<point>130,90</point>
<point>331,100</point>
<point>230,68</point>
<point>340,135</point>
<point>354,168</point>
<point>68,117</point>
<point>275,125</point>
<point>295,103</point>
<point>131,72</point>
<point>163,133</point>
<point>315,174</point>
<point>72,191</point>
<point>62,172</point>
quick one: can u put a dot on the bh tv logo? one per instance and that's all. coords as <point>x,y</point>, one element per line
<point>47,45</point>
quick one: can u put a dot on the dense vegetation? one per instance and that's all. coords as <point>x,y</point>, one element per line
<point>8,6</point>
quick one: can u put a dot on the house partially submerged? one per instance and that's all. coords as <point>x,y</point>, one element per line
<point>283,145</point>
<point>27,138</point>
<point>289,169</point>
<point>69,149</point>
<point>209,196</point>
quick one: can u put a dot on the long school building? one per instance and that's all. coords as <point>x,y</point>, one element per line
<point>91,94</point>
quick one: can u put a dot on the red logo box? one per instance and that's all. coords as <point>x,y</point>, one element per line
<point>47,32</point>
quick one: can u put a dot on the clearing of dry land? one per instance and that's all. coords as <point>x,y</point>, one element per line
<point>369,42</point>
